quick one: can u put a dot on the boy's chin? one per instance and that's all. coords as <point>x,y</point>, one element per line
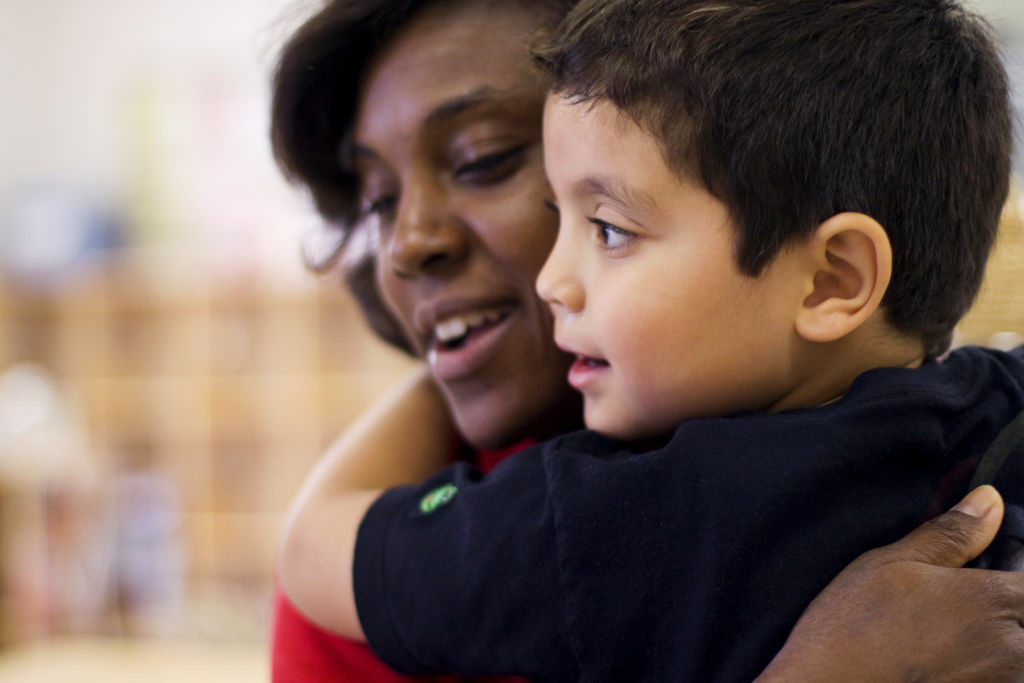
<point>623,428</point>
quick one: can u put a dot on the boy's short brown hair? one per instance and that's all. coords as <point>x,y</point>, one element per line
<point>791,111</point>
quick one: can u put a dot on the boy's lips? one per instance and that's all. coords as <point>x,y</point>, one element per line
<point>586,370</point>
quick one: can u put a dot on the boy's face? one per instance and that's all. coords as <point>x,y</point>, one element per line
<point>645,289</point>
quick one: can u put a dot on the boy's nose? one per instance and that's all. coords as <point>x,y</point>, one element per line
<point>427,237</point>
<point>557,283</point>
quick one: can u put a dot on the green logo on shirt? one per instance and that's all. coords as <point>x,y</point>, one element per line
<point>437,498</point>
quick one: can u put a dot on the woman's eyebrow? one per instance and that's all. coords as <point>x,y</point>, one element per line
<point>453,107</point>
<point>485,97</point>
<point>441,114</point>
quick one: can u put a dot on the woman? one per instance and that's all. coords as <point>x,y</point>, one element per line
<point>416,126</point>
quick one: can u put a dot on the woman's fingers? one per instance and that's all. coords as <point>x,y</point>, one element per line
<point>956,537</point>
<point>909,611</point>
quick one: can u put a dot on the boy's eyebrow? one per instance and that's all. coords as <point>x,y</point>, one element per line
<point>617,191</point>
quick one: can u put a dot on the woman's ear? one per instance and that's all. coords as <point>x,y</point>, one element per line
<point>850,266</point>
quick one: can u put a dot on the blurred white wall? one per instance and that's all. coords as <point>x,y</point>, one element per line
<point>67,66</point>
<point>157,110</point>
<point>1005,15</point>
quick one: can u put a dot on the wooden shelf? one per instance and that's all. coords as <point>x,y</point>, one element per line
<point>228,390</point>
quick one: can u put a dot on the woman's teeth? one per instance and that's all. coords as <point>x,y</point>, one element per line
<point>458,326</point>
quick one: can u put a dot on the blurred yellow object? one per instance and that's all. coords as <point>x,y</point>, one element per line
<point>997,317</point>
<point>117,660</point>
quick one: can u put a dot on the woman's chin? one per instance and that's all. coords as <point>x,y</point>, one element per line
<point>499,424</point>
<point>494,435</point>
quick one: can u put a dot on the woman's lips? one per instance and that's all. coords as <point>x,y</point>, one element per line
<point>450,330</point>
<point>585,370</point>
<point>464,354</point>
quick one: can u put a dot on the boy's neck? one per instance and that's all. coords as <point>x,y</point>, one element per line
<point>825,371</point>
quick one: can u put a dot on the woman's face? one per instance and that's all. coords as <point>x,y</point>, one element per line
<point>447,146</point>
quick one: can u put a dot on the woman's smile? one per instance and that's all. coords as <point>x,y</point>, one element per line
<point>462,343</point>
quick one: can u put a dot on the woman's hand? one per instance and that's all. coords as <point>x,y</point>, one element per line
<point>910,612</point>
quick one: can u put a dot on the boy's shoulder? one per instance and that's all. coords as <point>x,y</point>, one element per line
<point>975,370</point>
<point>977,365</point>
<point>963,378</point>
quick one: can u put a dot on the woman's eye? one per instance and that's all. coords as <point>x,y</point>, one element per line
<point>612,237</point>
<point>376,207</point>
<point>492,168</point>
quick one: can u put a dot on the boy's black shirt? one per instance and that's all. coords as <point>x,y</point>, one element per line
<point>581,559</point>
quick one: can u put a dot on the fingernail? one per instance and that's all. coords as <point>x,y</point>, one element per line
<point>978,502</point>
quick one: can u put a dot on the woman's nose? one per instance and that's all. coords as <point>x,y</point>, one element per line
<point>428,237</point>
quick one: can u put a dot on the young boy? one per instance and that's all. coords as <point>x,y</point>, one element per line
<point>772,216</point>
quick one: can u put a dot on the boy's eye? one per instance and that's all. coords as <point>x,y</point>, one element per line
<point>492,168</point>
<point>612,237</point>
<point>552,206</point>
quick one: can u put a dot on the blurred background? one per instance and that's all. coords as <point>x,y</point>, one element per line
<point>168,369</point>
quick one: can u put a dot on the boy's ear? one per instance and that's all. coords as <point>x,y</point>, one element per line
<point>850,264</point>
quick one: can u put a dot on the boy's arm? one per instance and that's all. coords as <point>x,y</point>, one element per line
<point>402,439</point>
